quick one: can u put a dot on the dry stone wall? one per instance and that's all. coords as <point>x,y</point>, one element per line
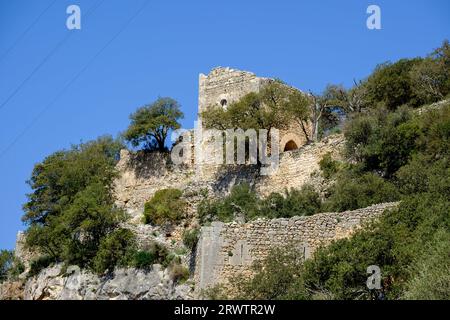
<point>142,175</point>
<point>297,166</point>
<point>227,249</point>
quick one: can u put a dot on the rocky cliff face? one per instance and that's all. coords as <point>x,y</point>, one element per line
<point>55,283</point>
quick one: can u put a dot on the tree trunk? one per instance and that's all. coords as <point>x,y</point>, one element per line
<point>316,130</point>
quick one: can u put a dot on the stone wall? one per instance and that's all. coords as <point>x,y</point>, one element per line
<point>297,166</point>
<point>220,88</point>
<point>227,249</point>
<point>141,175</point>
<point>225,85</point>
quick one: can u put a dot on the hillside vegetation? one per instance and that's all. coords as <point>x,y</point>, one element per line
<point>392,153</point>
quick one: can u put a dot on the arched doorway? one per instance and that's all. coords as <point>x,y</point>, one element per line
<point>290,145</point>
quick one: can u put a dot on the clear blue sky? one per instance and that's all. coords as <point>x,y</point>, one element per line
<point>161,52</point>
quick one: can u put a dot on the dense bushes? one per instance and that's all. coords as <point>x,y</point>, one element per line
<point>71,210</point>
<point>398,244</point>
<point>10,266</point>
<point>390,85</point>
<point>303,202</point>
<point>411,82</point>
<point>5,263</point>
<point>38,264</point>
<point>190,238</point>
<point>430,272</point>
<point>328,166</point>
<point>166,206</point>
<point>410,244</point>
<point>277,277</point>
<point>178,272</point>
<point>383,141</point>
<point>352,191</point>
<point>243,203</point>
<point>116,249</point>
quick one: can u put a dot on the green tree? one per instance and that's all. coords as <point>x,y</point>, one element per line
<point>298,108</point>
<point>352,191</point>
<point>71,208</point>
<point>56,181</point>
<point>6,259</point>
<point>390,85</point>
<point>150,124</point>
<point>431,78</point>
<point>115,249</point>
<point>263,110</point>
<point>383,141</point>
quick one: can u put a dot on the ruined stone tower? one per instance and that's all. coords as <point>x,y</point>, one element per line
<point>223,86</point>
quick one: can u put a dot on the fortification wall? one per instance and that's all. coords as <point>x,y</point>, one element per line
<point>297,166</point>
<point>142,174</point>
<point>227,249</point>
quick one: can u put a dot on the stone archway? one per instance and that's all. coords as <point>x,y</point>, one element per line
<point>290,145</point>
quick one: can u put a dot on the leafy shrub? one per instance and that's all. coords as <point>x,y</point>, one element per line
<point>279,276</point>
<point>393,243</point>
<point>328,166</point>
<point>161,254</point>
<point>303,202</point>
<point>353,191</point>
<point>39,264</point>
<point>244,202</point>
<point>144,260</point>
<point>178,273</point>
<point>391,85</point>
<point>116,249</point>
<point>166,206</point>
<point>71,208</point>
<point>382,142</point>
<point>216,292</point>
<point>430,272</point>
<point>190,238</point>
<point>6,258</point>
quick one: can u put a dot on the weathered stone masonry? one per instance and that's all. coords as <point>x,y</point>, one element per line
<point>229,249</point>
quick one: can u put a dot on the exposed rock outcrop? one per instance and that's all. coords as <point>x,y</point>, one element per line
<point>125,284</point>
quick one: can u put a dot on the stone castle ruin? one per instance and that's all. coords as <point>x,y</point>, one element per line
<point>224,249</point>
<point>224,86</point>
